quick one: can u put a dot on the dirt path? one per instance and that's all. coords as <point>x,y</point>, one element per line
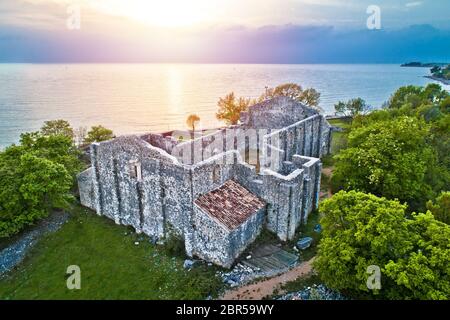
<point>259,290</point>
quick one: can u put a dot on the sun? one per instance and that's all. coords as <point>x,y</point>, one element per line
<point>165,13</point>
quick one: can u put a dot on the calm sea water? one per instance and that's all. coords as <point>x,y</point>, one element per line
<point>136,98</point>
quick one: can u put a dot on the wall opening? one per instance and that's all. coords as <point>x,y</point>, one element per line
<point>135,170</point>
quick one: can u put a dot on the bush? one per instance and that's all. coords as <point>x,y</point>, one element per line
<point>36,177</point>
<point>390,158</point>
<point>361,230</point>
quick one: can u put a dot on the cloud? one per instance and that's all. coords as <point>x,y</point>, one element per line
<point>269,44</point>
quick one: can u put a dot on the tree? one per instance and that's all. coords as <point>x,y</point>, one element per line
<point>310,96</point>
<point>412,97</point>
<point>352,108</point>
<point>56,148</point>
<point>424,272</point>
<point>441,208</point>
<point>230,108</point>
<point>192,121</point>
<point>30,186</point>
<point>359,230</point>
<point>98,134</point>
<point>362,230</point>
<point>390,158</point>
<point>57,127</point>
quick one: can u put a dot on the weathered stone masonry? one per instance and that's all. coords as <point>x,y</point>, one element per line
<point>154,183</point>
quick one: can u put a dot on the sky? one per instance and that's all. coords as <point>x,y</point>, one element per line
<point>224,31</point>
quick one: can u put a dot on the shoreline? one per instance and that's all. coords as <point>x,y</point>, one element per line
<point>441,80</point>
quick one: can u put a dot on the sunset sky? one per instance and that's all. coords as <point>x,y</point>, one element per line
<point>223,31</point>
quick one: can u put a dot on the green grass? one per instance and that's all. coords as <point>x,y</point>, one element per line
<point>307,230</point>
<point>112,266</point>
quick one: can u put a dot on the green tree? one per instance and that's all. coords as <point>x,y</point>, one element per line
<point>309,97</point>
<point>412,97</point>
<point>361,230</point>
<point>352,108</point>
<point>30,186</point>
<point>98,134</point>
<point>56,148</point>
<point>424,272</point>
<point>57,127</point>
<point>230,108</point>
<point>391,158</point>
<point>441,207</point>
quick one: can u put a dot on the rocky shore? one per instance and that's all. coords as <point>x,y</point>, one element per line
<point>14,253</point>
<point>444,81</point>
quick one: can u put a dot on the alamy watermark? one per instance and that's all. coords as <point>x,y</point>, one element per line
<point>374,19</point>
<point>374,279</point>
<point>74,280</point>
<point>73,21</point>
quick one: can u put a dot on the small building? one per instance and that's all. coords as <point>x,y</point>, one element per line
<point>226,221</point>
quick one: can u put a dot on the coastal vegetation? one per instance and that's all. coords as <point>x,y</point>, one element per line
<point>352,108</point>
<point>36,177</point>
<point>441,72</point>
<point>98,134</point>
<point>393,163</point>
<point>362,230</point>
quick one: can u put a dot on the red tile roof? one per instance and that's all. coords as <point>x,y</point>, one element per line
<point>231,204</point>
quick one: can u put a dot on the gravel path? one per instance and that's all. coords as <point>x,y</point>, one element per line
<point>13,254</point>
<point>262,289</point>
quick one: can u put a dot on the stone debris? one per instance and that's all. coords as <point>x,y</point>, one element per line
<point>318,228</point>
<point>304,243</point>
<point>12,255</point>
<point>316,292</point>
<point>239,275</point>
<point>188,264</point>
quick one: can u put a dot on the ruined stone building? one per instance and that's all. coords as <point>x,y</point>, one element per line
<point>218,190</point>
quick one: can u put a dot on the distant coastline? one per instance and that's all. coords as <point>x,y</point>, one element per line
<point>442,80</point>
<point>439,71</point>
<point>424,65</point>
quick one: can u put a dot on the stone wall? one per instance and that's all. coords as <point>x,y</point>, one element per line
<point>86,188</point>
<point>151,182</point>
<point>275,114</point>
<point>214,242</point>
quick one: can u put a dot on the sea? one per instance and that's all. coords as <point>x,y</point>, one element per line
<point>138,98</point>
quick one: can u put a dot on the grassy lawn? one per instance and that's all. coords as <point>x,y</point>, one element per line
<point>112,266</point>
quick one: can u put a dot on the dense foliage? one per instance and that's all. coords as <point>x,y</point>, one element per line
<point>361,230</point>
<point>390,158</point>
<point>98,134</point>
<point>401,151</point>
<point>36,176</point>
<point>57,127</point>
<point>441,207</point>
